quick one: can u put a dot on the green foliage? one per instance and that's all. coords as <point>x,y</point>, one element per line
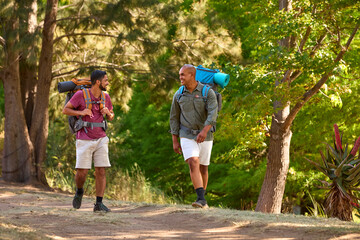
<point>141,136</point>
<point>318,210</point>
<point>255,84</point>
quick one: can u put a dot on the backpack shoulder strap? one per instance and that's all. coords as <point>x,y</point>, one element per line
<point>205,91</point>
<point>102,101</point>
<point>180,92</point>
<point>87,98</point>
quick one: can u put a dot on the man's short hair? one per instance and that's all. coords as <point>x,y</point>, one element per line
<point>97,75</point>
<point>191,68</point>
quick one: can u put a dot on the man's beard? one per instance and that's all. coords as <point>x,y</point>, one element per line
<point>102,88</point>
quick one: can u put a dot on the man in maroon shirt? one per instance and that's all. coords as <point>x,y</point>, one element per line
<point>91,142</point>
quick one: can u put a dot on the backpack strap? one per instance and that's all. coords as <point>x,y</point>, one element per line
<point>88,102</point>
<point>205,91</point>
<point>181,92</point>
<point>102,101</point>
<point>87,98</point>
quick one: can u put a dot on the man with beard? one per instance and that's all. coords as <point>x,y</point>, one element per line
<point>91,139</point>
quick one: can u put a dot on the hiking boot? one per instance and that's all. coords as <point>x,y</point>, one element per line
<point>100,207</point>
<point>77,200</point>
<point>200,204</point>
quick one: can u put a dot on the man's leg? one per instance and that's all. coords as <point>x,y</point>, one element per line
<point>100,181</point>
<point>194,165</point>
<point>196,178</point>
<point>204,175</point>
<point>100,184</point>
<point>80,178</point>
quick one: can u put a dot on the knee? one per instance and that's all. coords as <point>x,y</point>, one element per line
<point>81,173</point>
<point>193,162</point>
<point>203,169</point>
<point>100,172</point>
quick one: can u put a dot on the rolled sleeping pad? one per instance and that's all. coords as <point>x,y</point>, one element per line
<point>66,86</point>
<point>221,79</point>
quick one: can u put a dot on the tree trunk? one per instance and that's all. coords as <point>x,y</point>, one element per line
<point>28,75</point>
<point>18,149</point>
<point>273,187</point>
<point>40,117</point>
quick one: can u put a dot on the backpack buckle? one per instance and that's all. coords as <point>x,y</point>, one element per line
<point>194,132</point>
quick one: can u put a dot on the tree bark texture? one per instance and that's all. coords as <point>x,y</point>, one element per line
<point>18,149</point>
<point>40,117</point>
<point>28,68</point>
<point>273,187</point>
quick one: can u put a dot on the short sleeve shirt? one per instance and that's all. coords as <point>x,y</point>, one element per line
<point>78,102</point>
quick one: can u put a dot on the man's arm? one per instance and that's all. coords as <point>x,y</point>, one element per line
<point>212,108</point>
<point>69,110</point>
<point>175,124</point>
<point>175,116</point>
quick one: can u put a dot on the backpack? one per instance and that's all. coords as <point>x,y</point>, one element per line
<point>211,78</point>
<point>76,123</point>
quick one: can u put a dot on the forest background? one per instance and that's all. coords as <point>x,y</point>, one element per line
<point>143,44</point>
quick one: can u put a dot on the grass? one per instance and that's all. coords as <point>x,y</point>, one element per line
<point>242,218</point>
<point>124,185</point>
<point>11,231</point>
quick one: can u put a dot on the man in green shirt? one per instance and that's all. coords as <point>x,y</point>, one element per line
<point>191,118</point>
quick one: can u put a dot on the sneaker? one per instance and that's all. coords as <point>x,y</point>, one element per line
<point>100,207</point>
<point>200,204</point>
<point>77,200</point>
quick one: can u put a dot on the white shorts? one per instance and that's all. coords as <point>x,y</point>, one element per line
<point>190,148</point>
<point>89,150</point>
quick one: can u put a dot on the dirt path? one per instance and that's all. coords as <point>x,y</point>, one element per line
<point>33,213</point>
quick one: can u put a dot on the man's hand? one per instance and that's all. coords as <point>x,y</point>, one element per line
<point>177,147</point>
<point>176,144</point>
<point>202,135</point>
<point>109,114</point>
<point>106,111</point>
<point>87,112</point>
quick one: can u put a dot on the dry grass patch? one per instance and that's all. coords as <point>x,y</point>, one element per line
<point>11,231</point>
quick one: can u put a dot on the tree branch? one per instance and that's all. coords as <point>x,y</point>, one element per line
<point>305,38</point>
<point>83,34</point>
<point>100,67</point>
<point>93,63</point>
<point>306,97</point>
<point>318,45</point>
<point>296,74</point>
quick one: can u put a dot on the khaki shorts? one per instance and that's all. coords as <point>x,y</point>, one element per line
<point>89,150</point>
<point>190,148</point>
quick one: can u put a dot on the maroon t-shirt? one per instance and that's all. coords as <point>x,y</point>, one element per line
<point>78,102</point>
